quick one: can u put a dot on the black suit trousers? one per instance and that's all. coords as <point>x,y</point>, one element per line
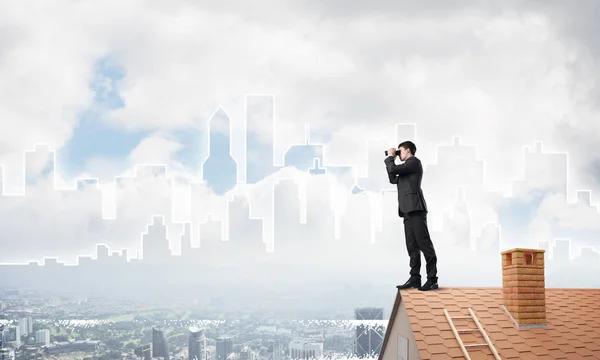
<point>418,240</point>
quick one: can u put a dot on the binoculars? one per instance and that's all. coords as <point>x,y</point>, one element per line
<point>386,153</point>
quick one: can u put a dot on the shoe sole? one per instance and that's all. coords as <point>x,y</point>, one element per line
<point>410,287</point>
<point>432,288</point>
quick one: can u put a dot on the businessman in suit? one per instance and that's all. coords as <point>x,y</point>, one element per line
<point>413,208</point>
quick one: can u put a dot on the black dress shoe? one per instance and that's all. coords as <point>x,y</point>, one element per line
<point>411,283</point>
<point>429,285</point>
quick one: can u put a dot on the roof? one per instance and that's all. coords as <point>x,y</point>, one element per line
<point>573,324</point>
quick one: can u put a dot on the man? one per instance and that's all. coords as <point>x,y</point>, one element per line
<point>413,208</point>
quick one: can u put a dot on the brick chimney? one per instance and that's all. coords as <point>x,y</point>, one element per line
<point>523,287</point>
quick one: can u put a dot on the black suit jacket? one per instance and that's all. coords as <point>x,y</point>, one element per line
<point>407,177</point>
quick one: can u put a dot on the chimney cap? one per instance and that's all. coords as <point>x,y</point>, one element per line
<point>522,250</point>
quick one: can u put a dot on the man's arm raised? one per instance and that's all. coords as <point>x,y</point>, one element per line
<point>406,168</point>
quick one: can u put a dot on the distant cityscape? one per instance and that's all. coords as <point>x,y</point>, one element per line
<point>31,328</point>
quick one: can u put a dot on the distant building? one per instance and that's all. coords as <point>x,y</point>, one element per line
<point>26,325</point>
<point>369,337</point>
<point>300,349</point>
<point>160,347</point>
<point>224,346</point>
<point>197,344</point>
<point>13,335</point>
<point>247,354</point>
<point>42,337</point>
<point>7,354</point>
<point>144,351</point>
<point>68,346</point>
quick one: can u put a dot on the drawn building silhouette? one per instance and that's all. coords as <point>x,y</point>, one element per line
<point>319,211</point>
<point>260,117</point>
<point>186,241</point>
<point>356,229</point>
<point>390,237</point>
<point>155,244</point>
<point>405,132</point>
<point>458,166</point>
<point>458,224</point>
<point>488,243</point>
<point>39,164</point>
<point>302,156</point>
<point>545,173</point>
<point>376,178</point>
<point>219,170</point>
<point>561,251</point>
<point>212,247</point>
<point>289,232</point>
<point>245,234</point>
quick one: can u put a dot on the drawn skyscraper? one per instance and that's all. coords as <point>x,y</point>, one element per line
<point>155,244</point>
<point>288,231</point>
<point>186,240</point>
<point>376,178</point>
<point>319,211</point>
<point>459,224</point>
<point>405,132</point>
<point>260,117</point>
<point>219,169</point>
<point>245,234</point>
<point>457,165</point>
<point>544,173</point>
<point>302,156</point>
<point>39,163</point>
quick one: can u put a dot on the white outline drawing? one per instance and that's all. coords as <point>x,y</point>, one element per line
<point>479,235</point>
<point>163,223</point>
<point>302,186</point>
<point>273,127</point>
<point>209,127</point>
<point>241,188</point>
<point>538,148</point>
<point>592,250</point>
<point>563,240</point>
<point>208,219</point>
<point>208,142</point>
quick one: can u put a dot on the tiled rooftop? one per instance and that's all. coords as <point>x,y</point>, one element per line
<point>572,332</point>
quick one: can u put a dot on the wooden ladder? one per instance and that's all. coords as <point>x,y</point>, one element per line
<point>457,332</point>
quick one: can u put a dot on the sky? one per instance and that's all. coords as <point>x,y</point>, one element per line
<point>111,85</point>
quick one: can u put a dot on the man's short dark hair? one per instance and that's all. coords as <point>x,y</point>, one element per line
<point>408,145</point>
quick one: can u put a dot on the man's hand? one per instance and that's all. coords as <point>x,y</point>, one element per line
<point>391,152</point>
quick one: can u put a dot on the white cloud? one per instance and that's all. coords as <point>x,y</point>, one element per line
<point>155,149</point>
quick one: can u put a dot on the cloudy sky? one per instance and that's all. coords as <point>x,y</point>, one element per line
<point>111,84</point>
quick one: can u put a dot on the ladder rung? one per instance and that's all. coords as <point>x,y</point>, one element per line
<point>474,345</point>
<point>461,317</point>
<point>466,330</point>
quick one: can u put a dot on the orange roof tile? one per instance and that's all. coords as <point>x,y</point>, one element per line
<point>572,332</point>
